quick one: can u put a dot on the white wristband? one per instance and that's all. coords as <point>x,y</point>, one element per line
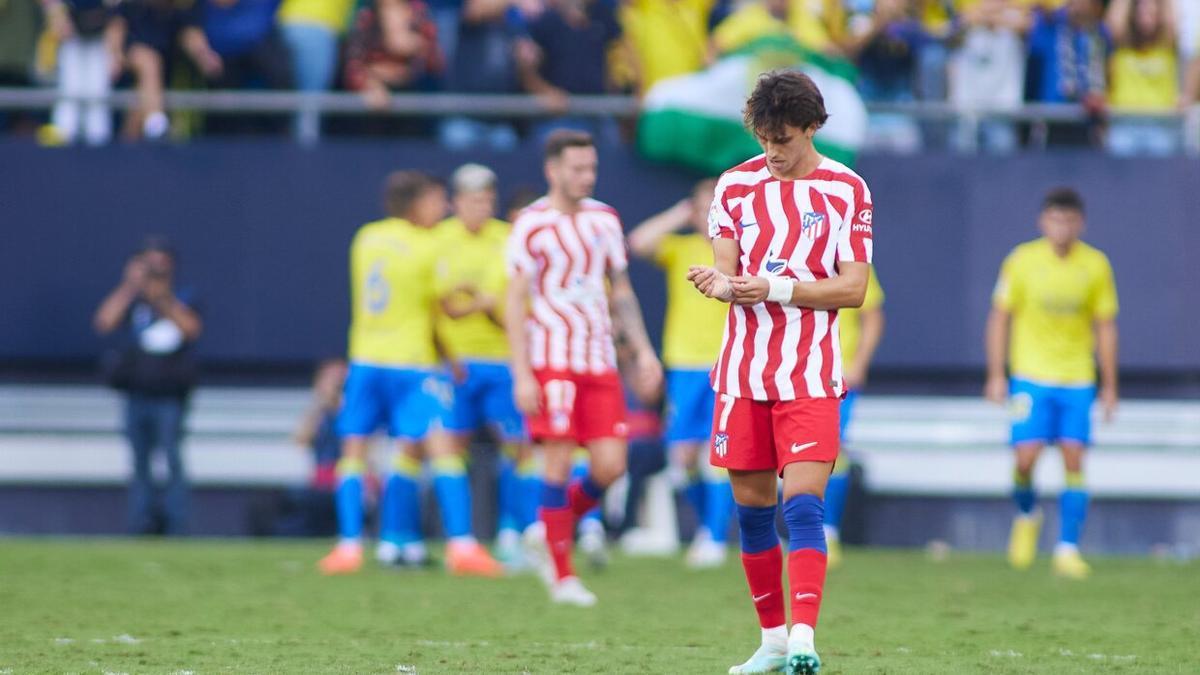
<point>780,290</point>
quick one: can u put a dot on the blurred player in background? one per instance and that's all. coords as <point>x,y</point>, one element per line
<point>473,278</point>
<point>792,244</point>
<point>569,295</point>
<point>675,240</point>
<point>393,382</point>
<point>861,329</point>
<point>1053,312</point>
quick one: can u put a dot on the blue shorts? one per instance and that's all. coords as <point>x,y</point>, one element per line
<point>403,399</point>
<point>690,401</point>
<point>847,412</point>
<point>1050,414</point>
<point>485,397</point>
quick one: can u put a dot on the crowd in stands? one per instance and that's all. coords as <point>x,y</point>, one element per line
<point>1135,56</point>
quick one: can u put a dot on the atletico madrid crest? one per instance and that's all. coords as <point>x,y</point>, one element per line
<point>812,224</point>
<point>721,444</point>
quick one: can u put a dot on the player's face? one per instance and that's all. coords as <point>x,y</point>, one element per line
<point>430,207</point>
<point>573,173</point>
<point>476,206</point>
<point>787,149</point>
<point>1061,226</point>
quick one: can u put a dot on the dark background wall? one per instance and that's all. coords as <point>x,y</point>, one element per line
<point>263,229</point>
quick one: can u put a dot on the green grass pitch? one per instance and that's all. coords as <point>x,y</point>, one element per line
<point>113,606</point>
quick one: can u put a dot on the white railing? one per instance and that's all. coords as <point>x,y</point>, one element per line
<point>317,104</point>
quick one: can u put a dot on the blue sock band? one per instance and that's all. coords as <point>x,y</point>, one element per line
<point>805,519</point>
<point>554,495</point>
<point>757,525</point>
<point>454,497</point>
<point>694,493</point>
<point>718,508</point>
<point>594,514</point>
<point>400,510</point>
<point>509,488</point>
<point>590,488</point>
<point>350,505</point>
<point>835,498</point>
<point>1025,498</point>
<point>1072,512</point>
<point>531,497</point>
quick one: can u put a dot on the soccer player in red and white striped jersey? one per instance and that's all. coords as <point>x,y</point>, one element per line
<point>791,245</point>
<point>569,294</point>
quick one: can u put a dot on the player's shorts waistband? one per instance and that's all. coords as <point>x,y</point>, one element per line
<point>408,368</point>
<point>1053,385</point>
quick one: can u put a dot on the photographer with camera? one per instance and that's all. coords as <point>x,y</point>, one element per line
<point>154,367</point>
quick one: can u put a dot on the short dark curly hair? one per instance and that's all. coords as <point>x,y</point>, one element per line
<point>1063,198</point>
<point>784,98</point>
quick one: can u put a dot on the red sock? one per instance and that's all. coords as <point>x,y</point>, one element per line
<point>806,577</point>
<point>560,535</point>
<point>580,501</point>
<point>764,572</point>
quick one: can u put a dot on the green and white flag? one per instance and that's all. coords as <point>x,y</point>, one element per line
<point>696,120</point>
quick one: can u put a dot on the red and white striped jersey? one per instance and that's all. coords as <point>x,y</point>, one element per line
<point>797,229</point>
<point>567,259</point>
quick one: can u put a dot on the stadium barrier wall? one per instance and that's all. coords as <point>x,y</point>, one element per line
<point>263,228</point>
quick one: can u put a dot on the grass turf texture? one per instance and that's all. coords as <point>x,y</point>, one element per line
<point>109,606</point>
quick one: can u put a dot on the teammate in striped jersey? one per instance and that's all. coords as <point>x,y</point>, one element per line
<point>569,294</point>
<point>792,244</point>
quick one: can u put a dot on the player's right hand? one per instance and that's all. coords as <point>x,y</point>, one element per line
<point>996,389</point>
<point>527,394</point>
<point>710,282</point>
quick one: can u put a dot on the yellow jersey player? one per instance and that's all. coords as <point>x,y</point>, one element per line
<point>860,331</point>
<point>675,240</point>
<point>392,383</point>
<point>473,277</point>
<point>1053,312</point>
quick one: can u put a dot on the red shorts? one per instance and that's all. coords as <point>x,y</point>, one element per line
<point>579,407</point>
<point>751,435</point>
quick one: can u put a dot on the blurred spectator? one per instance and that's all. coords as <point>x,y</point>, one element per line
<point>244,34</point>
<point>1191,83</point>
<point>665,38</point>
<point>567,53</point>
<point>89,59</point>
<point>1145,76</point>
<point>886,46</point>
<point>152,29</point>
<point>483,62</point>
<point>939,18</point>
<point>18,41</point>
<point>987,71</point>
<point>154,367</point>
<point>1068,62</point>
<point>393,46</point>
<point>816,24</point>
<point>1187,28</point>
<point>311,29</point>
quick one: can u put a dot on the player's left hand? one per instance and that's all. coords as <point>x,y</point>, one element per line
<point>1108,402</point>
<point>749,290</point>
<point>647,383</point>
